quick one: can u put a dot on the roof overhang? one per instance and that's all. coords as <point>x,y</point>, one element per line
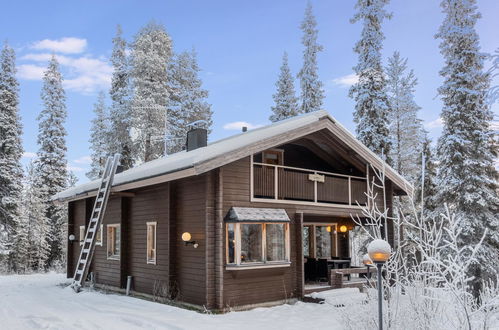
<point>321,120</point>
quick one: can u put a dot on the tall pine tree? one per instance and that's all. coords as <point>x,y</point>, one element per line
<point>466,175</point>
<point>10,156</point>
<point>34,217</point>
<point>312,94</point>
<point>51,161</point>
<point>151,53</point>
<point>99,135</point>
<point>188,100</point>
<point>119,139</point>
<point>369,93</point>
<point>406,129</point>
<point>286,103</point>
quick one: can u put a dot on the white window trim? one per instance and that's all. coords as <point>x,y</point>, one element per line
<point>112,257</point>
<point>101,236</point>
<point>260,264</point>
<point>81,237</point>
<point>155,224</point>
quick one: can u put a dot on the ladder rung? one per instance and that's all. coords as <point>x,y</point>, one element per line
<point>100,199</point>
<point>91,230</point>
<point>97,209</point>
<point>88,240</point>
<point>86,250</point>
<point>79,271</point>
<point>93,219</point>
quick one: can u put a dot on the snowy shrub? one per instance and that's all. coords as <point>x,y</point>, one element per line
<point>425,281</point>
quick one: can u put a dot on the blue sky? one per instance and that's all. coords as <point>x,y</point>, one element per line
<point>239,45</point>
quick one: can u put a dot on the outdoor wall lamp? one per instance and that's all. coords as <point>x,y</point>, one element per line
<point>186,237</point>
<point>71,238</point>
<point>379,251</point>
<point>343,229</point>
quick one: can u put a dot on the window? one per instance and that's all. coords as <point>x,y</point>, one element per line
<point>274,157</point>
<point>257,243</point>
<point>98,237</point>
<point>320,241</point>
<point>82,234</point>
<point>113,241</point>
<point>151,242</point>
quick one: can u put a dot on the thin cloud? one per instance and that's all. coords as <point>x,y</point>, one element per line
<point>437,123</point>
<point>83,74</point>
<point>238,125</point>
<point>72,168</point>
<point>346,81</point>
<point>83,160</point>
<point>30,71</point>
<point>28,154</point>
<point>64,45</point>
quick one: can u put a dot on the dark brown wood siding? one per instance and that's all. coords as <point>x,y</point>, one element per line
<point>262,285</point>
<point>190,216</point>
<point>107,271</point>
<point>77,216</point>
<point>149,205</point>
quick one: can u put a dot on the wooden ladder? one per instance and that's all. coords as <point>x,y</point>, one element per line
<point>88,247</point>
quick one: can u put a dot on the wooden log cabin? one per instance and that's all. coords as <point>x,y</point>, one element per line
<point>229,224</point>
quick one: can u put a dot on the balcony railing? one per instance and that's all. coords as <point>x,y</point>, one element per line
<point>284,183</point>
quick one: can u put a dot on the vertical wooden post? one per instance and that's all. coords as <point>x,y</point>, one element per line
<point>349,191</point>
<point>300,276</point>
<point>315,189</point>
<point>276,182</point>
<point>219,241</point>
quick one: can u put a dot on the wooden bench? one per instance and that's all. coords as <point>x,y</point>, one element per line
<point>336,276</point>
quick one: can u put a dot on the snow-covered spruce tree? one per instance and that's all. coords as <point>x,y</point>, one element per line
<point>369,93</point>
<point>151,52</point>
<point>427,189</point>
<point>188,100</point>
<point>34,216</point>
<point>466,175</point>
<point>406,129</point>
<point>119,139</point>
<point>10,156</point>
<point>286,103</point>
<point>312,94</point>
<point>99,138</point>
<point>51,161</point>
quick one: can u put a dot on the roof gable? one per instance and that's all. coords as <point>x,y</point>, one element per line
<point>224,151</point>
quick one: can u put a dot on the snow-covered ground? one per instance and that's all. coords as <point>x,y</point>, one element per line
<point>41,301</point>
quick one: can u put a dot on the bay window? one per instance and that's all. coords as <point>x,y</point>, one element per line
<point>261,243</point>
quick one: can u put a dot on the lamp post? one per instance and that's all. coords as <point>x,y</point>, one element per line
<point>368,263</point>
<point>379,251</point>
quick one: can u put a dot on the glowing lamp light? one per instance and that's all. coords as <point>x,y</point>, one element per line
<point>366,260</point>
<point>328,228</point>
<point>379,250</point>
<point>343,229</point>
<point>186,237</point>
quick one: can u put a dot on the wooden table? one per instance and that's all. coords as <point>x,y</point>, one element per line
<point>339,263</point>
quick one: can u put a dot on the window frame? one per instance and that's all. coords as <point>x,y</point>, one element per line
<point>155,225</point>
<point>313,240</point>
<point>237,264</point>
<point>101,230</point>
<point>113,237</point>
<point>82,234</point>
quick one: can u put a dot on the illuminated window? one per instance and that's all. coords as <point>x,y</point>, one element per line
<point>113,241</point>
<point>151,242</point>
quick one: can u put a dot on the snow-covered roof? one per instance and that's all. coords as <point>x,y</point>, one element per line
<point>239,145</point>
<point>241,214</point>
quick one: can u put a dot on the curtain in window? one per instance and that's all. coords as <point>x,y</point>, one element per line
<point>323,242</point>
<point>275,242</point>
<point>251,243</point>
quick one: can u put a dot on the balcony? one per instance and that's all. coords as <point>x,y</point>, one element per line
<point>278,183</point>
